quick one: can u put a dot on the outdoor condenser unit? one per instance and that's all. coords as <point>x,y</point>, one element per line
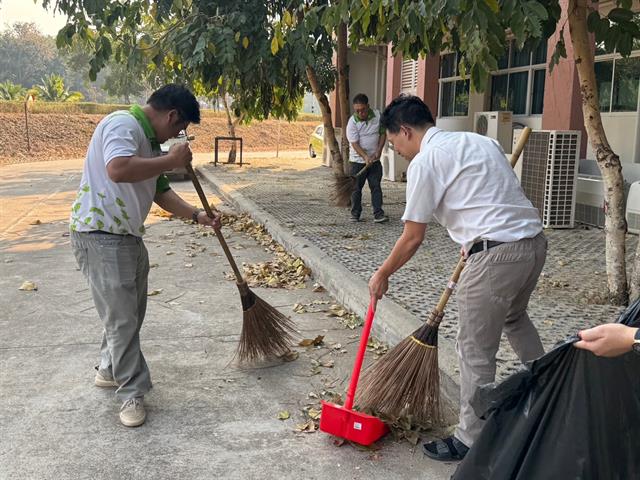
<point>550,175</point>
<point>497,125</point>
<point>633,208</point>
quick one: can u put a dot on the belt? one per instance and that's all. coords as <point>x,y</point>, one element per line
<point>102,232</point>
<point>483,245</point>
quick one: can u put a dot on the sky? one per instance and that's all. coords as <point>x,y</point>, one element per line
<point>12,11</point>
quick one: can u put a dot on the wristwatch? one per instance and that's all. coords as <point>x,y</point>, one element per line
<point>636,342</point>
<point>194,215</point>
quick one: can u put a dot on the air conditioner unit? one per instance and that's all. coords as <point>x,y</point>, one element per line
<point>394,165</point>
<point>550,175</point>
<point>590,200</point>
<point>497,125</point>
<point>633,208</point>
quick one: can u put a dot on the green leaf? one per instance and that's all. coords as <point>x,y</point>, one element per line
<point>287,18</point>
<point>237,36</point>
<point>538,9</point>
<point>274,46</point>
<point>117,220</point>
<point>593,20</point>
<point>493,5</point>
<point>620,15</point>
<point>245,43</point>
<point>87,220</point>
<point>76,207</point>
<point>100,224</point>
<point>119,202</point>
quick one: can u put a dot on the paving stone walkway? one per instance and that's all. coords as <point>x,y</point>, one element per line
<point>295,191</point>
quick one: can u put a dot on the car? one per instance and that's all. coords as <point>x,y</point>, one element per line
<point>178,173</point>
<point>316,140</point>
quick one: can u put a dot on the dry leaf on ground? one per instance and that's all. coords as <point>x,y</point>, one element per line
<point>28,286</point>
<point>306,342</point>
<point>155,291</point>
<point>284,415</point>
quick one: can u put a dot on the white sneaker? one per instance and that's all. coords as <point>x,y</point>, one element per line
<point>104,380</point>
<point>132,412</point>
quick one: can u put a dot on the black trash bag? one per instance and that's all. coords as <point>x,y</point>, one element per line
<point>569,415</point>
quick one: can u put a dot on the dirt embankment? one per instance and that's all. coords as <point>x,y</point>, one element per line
<point>58,136</point>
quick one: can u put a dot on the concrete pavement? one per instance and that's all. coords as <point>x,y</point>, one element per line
<point>207,416</point>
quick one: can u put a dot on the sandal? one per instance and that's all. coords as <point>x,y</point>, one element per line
<point>445,450</point>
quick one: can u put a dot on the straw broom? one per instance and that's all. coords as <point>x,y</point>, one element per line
<point>406,381</point>
<point>265,331</point>
<point>344,185</point>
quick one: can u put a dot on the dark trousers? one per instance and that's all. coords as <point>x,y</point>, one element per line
<point>373,175</point>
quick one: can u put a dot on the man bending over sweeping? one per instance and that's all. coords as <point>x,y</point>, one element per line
<point>122,177</point>
<point>465,183</point>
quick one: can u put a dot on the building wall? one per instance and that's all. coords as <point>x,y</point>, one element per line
<point>368,75</point>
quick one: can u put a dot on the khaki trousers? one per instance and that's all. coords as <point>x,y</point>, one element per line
<point>493,294</point>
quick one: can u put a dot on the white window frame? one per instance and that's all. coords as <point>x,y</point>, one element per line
<point>454,79</point>
<point>605,57</point>
<point>530,69</point>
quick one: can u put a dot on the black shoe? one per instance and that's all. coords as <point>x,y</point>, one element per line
<point>355,219</point>
<point>445,450</point>
<point>381,219</point>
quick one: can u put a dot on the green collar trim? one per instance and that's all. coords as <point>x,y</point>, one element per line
<point>369,117</point>
<point>143,120</point>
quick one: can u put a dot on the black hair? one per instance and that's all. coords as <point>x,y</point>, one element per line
<point>361,99</point>
<point>176,97</point>
<point>406,110</point>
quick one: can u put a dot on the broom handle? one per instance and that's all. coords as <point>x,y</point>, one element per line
<point>357,366</point>
<point>522,141</point>
<point>364,169</point>
<point>453,281</point>
<point>209,211</point>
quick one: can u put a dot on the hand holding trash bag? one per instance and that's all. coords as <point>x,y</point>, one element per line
<point>609,340</point>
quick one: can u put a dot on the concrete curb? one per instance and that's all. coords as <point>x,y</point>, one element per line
<point>392,324</point>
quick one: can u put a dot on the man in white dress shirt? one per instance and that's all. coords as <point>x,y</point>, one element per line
<point>464,182</point>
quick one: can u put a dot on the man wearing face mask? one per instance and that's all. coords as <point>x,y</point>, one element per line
<point>122,177</point>
<point>367,140</point>
<point>465,183</point>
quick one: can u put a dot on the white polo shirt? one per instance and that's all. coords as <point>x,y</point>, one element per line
<point>102,204</point>
<point>464,181</point>
<point>365,132</point>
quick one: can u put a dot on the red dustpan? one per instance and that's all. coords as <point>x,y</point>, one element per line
<point>340,420</point>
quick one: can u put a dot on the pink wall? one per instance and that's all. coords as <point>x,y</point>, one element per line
<point>562,100</point>
<point>427,90</point>
<point>394,68</point>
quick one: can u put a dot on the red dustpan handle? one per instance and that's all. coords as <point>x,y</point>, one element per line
<point>357,366</point>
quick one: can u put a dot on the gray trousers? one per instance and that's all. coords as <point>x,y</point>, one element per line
<point>116,268</point>
<point>492,296</point>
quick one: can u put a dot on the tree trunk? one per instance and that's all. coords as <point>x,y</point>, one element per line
<point>329,132</point>
<point>635,276</point>
<point>609,163</point>
<point>343,90</point>
<point>231,128</point>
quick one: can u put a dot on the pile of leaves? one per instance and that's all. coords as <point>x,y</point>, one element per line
<point>347,318</point>
<point>285,271</point>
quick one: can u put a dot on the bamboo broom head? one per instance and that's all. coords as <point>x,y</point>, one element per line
<point>406,381</point>
<point>343,186</point>
<point>265,331</point>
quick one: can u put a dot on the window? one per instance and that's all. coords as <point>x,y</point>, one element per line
<point>518,85</point>
<point>618,82</point>
<point>409,77</point>
<point>454,91</point>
